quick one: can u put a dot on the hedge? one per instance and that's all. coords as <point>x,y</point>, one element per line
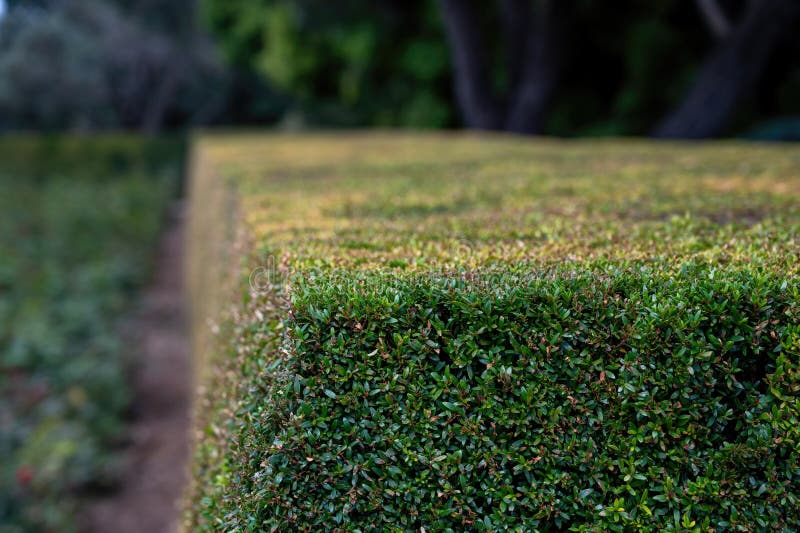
<point>410,332</point>
<point>80,220</point>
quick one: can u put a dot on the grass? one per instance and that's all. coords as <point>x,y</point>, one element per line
<point>80,218</point>
<point>488,333</point>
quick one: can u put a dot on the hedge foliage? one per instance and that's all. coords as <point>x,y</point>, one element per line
<point>447,333</point>
<point>80,218</point>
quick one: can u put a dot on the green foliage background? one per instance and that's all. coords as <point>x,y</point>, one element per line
<point>80,218</point>
<point>386,63</point>
<point>380,63</point>
<point>345,63</point>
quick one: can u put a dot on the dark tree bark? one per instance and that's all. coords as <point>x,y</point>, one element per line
<point>160,100</point>
<point>731,72</point>
<point>532,45</point>
<point>478,106</point>
<point>715,17</point>
<point>533,90</point>
<point>515,16</point>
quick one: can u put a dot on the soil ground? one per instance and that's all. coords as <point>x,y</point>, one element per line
<point>155,463</point>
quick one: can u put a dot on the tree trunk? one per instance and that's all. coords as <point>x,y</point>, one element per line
<point>715,17</point>
<point>160,100</point>
<point>479,108</point>
<point>530,97</point>
<point>516,16</point>
<point>731,72</point>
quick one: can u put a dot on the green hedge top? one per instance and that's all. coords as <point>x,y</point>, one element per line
<point>430,201</point>
<point>466,333</point>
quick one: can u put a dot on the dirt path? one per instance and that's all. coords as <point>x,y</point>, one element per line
<point>155,467</point>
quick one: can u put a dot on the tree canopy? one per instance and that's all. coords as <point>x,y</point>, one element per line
<point>585,69</point>
<point>666,68</point>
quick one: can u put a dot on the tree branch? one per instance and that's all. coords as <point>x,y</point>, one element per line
<point>715,17</point>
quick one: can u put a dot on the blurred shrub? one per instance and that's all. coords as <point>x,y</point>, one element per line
<point>50,74</point>
<point>87,158</point>
<point>87,64</point>
<point>76,235</point>
<point>345,63</point>
<point>782,129</point>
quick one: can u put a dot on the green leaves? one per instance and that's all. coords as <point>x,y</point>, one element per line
<point>475,423</point>
<point>492,334</point>
<point>80,218</point>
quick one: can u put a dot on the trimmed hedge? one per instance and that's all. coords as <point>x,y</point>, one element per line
<point>489,334</point>
<point>80,219</point>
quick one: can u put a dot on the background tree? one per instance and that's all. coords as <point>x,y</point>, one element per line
<point>578,68</point>
<point>532,49</point>
<point>734,67</point>
<point>87,64</point>
<point>529,66</point>
<point>352,62</point>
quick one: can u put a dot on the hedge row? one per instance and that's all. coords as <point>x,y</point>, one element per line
<point>80,219</point>
<point>450,334</point>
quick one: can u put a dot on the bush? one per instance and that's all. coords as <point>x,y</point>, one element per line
<point>451,334</point>
<point>80,219</point>
<point>606,396</point>
<point>352,63</point>
<point>113,69</point>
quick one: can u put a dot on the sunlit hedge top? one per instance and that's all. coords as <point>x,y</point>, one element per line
<point>488,333</point>
<point>416,202</point>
